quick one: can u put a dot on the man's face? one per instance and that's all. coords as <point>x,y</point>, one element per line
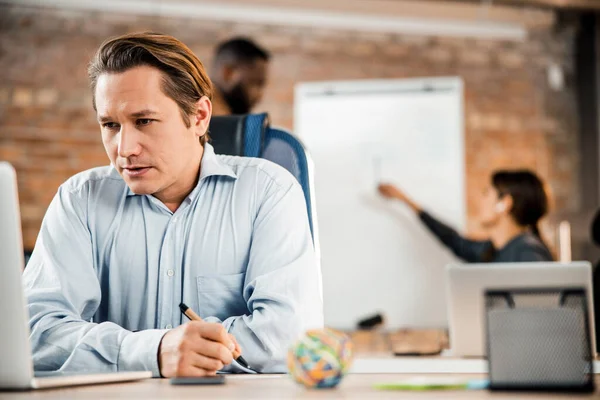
<point>245,85</point>
<point>144,134</point>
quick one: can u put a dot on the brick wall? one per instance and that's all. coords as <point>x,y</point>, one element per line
<point>513,119</point>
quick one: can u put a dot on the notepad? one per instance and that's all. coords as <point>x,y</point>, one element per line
<point>431,383</point>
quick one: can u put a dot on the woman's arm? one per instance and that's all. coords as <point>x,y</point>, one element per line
<point>468,250</point>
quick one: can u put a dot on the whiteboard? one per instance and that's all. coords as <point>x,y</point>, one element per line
<point>376,256</point>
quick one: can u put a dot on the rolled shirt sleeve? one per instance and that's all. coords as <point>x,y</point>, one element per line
<point>63,293</point>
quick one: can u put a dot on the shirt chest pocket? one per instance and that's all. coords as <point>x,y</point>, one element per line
<point>221,296</point>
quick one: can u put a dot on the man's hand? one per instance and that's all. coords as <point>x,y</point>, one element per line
<point>238,350</point>
<point>196,348</point>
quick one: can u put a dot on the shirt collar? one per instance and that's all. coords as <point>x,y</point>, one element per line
<point>210,165</point>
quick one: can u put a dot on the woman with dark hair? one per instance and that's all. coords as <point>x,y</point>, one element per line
<point>511,208</point>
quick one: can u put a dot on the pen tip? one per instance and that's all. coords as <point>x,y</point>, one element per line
<point>243,362</point>
<point>183,307</point>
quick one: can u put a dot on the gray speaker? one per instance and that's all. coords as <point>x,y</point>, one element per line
<point>539,340</point>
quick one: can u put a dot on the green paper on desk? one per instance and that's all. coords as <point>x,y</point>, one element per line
<point>431,383</point>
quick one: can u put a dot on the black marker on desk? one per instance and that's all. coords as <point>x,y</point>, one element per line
<point>188,312</point>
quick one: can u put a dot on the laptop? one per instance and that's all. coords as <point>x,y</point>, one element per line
<point>467,284</point>
<point>16,366</point>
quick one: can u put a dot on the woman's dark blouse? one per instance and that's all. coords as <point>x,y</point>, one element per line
<point>523,248</point>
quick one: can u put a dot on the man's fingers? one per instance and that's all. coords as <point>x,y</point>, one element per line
<point>238,348</point>
<point>192,370</point>
<point>197,348</point>
<point>210,340</point>
<point>217,351</point>
<point>216,333</point>
<point>195,357</point>
<point>207,348</point>
<point>210,365</point>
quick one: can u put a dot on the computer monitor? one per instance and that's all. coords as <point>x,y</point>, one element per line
<point>467,284</point>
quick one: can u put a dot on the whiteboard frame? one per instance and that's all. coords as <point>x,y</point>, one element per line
<point>416,85</point>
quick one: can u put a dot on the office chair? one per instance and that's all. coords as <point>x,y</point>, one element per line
<point>239,135</point>
<point>252,136</point>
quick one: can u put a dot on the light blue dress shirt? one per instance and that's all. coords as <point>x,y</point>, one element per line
<point>110,267</point>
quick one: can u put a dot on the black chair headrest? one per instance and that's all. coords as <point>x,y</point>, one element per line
<point>227,134</point>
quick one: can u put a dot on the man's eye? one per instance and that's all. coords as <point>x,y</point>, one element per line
<point>143,121</point>
<point>110,125</point>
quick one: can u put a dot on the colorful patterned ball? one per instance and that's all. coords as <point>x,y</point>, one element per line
<point>321,358</point>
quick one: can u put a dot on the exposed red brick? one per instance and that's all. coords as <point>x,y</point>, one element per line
<point>512,118</point>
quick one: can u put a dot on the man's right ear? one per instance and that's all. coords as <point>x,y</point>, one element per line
<point>201,119</point>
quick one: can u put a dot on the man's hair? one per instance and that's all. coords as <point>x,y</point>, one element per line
<point>238,51</point>
<point>184,77</point>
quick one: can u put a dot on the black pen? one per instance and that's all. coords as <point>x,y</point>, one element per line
<point>192,316</point>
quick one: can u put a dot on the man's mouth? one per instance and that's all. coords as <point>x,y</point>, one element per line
<point>135,171</point>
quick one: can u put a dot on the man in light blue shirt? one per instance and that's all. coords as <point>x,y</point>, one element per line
<point>169,222</point>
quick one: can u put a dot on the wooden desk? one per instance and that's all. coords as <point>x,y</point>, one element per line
<point>263,387</point>
<point>354,386</point>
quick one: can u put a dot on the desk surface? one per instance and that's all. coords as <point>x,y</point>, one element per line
<point>355,386</point>
<point>371,348</point>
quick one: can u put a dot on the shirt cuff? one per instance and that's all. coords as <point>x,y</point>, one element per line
<point>139,351</point>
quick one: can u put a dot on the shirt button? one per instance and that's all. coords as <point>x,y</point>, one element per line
<point>169,326</point>
<point>174,219</point>
<point>170,272</point>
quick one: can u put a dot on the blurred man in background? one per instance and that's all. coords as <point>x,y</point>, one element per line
<point>239,75</point>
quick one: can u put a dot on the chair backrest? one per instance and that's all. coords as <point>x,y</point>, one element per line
<point>239,135</point>
<point>284,149</point>
<point>251,136</point>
